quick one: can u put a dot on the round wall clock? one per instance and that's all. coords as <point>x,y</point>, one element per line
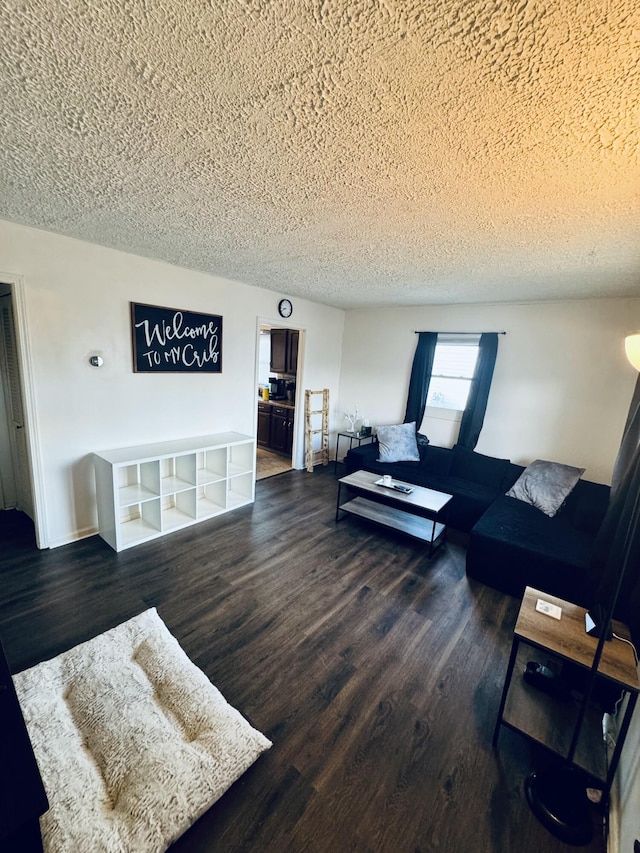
<point>285,308</point>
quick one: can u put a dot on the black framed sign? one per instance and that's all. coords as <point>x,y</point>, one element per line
<point>167,340</point>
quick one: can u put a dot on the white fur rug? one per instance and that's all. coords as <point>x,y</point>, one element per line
<point>133,741</point>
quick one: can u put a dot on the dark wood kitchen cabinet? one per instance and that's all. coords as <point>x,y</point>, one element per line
<point>278,350</point>
<point>292,349</point>
<point>282,419</point>
<point>264,424</point>
<point>284,350</point>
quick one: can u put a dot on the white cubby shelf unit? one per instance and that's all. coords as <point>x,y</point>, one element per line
<point>147,491</point>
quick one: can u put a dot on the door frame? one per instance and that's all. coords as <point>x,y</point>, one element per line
<point>30,412</point>
<point>297,460</point>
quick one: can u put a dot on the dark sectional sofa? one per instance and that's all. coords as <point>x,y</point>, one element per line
<point>511,543</point>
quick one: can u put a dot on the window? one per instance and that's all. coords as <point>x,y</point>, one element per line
<point>454,364</point>
<point>264,357</point>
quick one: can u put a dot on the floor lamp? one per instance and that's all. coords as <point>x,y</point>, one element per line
<point>558,797</point>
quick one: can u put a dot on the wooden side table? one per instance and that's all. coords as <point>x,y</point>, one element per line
<point>352,436</point>
<point>551,721</point>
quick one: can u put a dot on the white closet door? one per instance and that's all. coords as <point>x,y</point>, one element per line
<point>15,420</point>
<point>7,475</point>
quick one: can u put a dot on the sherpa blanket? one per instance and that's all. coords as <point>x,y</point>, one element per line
<point>133,741</point>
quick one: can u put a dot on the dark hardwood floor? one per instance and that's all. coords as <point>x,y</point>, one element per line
<point>376,673</point>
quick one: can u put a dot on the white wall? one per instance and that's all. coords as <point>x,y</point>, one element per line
<point>561,388</point>
<point>626,796</point>
<point>78,297</point>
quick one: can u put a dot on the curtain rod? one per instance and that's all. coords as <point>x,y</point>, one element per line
<point>461,333</point>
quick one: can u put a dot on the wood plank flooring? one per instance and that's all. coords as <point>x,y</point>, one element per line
<point>376,673</point>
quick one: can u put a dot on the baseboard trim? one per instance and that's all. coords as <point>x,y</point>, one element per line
<point>73,537</point>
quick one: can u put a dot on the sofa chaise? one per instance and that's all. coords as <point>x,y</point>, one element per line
<point>512,544</point>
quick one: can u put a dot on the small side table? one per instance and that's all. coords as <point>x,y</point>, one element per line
<point>22,795</point>
<point>549,721</point>
<point>352,436</point>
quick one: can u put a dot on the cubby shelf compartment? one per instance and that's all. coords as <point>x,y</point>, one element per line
<point>212,499</point>
<point>178,473</point>
<point>140,522</point>
<point>240,490</point>
<point>212,466</point>
<point>144,492</point>
<point>137,483</point>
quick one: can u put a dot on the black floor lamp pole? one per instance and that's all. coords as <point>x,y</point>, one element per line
<point>558,798</point>
<point>606,625</point>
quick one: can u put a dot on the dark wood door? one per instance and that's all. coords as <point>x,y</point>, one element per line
<point>292,352</point>
<point>289,429</point>
<point>284,350</point>
<point>279,346</point>
<point>264,424</point>
<point>280,430</point>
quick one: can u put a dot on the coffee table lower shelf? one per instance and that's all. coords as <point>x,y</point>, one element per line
<point>426,530</point>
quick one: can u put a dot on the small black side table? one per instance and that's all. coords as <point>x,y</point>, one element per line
<point>22,795</point>
<point>352,436</point>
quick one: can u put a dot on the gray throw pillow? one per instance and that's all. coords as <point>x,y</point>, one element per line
<point>545,485</point>
<point>397,443</point>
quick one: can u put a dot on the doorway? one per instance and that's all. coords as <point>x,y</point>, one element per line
<point>277,374</point>
<point>269,463</point>
<point>17,503</point>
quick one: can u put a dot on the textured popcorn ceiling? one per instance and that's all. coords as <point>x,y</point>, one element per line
<point>348,151</point>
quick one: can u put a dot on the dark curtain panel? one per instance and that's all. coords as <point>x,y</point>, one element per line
<point>630,440</point>
<point>473,415</point>
<point>617,548</point>
<point>420,376</point>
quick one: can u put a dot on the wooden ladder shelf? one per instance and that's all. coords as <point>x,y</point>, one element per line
<point>322,431</point>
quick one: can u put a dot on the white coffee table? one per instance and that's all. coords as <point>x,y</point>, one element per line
<point>421,513</point>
